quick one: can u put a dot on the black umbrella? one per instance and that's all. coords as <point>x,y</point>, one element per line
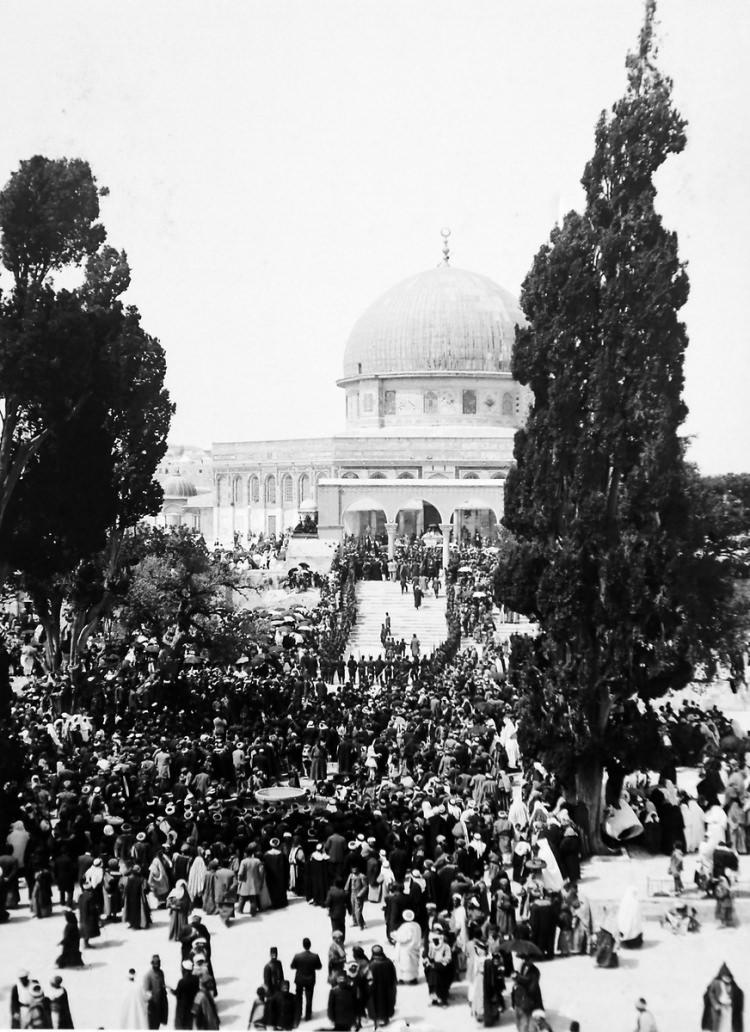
<point>521,947</point>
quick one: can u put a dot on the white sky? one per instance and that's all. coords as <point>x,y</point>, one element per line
<point>274,166</point>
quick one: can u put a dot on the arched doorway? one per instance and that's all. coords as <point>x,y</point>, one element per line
<point>365,517</point>
<point>474,521</point>
<point>416,517</point>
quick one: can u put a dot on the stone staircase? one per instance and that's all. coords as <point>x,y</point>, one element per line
<point>374,598</point>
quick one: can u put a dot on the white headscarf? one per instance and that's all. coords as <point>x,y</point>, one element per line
<point>629,917</point>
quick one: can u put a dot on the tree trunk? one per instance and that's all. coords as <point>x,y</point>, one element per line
<point>48,610</point>
<point>52,643</point>
<point>589,778</point>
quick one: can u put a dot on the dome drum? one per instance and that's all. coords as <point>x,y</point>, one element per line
<point>434,350</point>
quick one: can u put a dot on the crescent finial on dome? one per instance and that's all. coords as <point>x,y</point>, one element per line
<point>445,233</point>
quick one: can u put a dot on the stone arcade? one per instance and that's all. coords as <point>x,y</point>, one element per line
<point>431,412</point>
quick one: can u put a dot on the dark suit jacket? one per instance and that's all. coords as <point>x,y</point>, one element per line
<point>305,964</point>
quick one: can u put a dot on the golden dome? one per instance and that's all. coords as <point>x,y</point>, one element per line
<point>444,319</point>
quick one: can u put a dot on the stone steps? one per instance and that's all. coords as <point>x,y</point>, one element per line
<point>375,598</point>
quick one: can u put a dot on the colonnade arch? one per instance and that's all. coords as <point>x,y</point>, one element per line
<point>457,520</point>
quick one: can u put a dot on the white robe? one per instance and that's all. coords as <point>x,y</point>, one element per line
<point>551,875</point>
<point>510,743</point>
<point>133,1014</point>
<point>629,917</point>
<point>695,824</point>
<point>408,939</point>
<point>197,877</point>
<point>716,825</point>
<point>518,812</point>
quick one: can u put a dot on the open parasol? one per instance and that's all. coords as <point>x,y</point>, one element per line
<point>535,865</point>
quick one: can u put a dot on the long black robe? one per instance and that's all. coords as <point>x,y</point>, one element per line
<point>185,993</point>
<point>543,926</point>
<point>89,915</point>
<point>381,1005</point>
<point>318,883</point>
<point>276,867</point>
<point>59,1005</point>
<point>136,911</point>
<point>71,946</point>
<point>570,863</point>
<point>738,1004</point>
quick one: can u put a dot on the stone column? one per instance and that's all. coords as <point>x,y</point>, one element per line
<point>445,530</point>
<point>391,529</point>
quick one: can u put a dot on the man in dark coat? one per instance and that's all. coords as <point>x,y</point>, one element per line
<point>305,964</point>
<point>155,991</point>
<point>342,1005</point>
<point>399,861</point>
<point>273,973</point>
<point>527,995</point>
<point>135,913</point>
<point>64,868</point>
<point>336,901</point>
<point>185,993</point>
<point>336,849</point>
<point>282,1008</point>
<point>383,986</point>
<point>276,867</point>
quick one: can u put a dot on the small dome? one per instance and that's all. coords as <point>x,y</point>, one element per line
<point>178,486</point>
<point>444,319</point>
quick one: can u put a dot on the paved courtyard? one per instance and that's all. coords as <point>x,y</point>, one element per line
<point>670,972</point>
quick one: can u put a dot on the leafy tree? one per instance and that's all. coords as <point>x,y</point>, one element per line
<point>728,502</point>
<point>177,584</point>
<point>229,635</point>
<point>86,411</point>
<point>609,554</point>
<point>48,221</point>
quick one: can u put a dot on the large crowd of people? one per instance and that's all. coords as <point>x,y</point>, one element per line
<point>154,779</point>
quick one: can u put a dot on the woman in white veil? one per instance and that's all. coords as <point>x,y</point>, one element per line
<point>694,821</point>
<point>630,920</point>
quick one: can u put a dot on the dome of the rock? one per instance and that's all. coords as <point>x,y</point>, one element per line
<point>444,319</point>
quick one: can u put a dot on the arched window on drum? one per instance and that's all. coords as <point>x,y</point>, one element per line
<point>253,490</point>
<point>286,489</point>
<point>303,488</point>
<point>271,490</point>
